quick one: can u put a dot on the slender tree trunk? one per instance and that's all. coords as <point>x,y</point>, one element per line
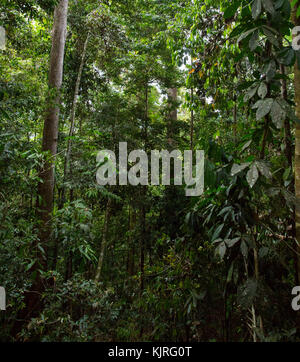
<point>287,126</point>
<point>172,117</point>
<point>73,114</point>
<point>297,148</point>
<point>235,119</point>
<point>104,241</point>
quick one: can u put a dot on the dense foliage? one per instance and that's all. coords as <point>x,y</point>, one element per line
<point>138,263</point>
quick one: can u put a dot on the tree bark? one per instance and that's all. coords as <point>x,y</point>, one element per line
<point>50,133</point>
<point>297,148</point>
<point>73,114</point>
<point>103,243</point>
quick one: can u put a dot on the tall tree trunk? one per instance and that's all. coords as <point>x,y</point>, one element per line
<point>73,114</point>
<point>32,298</point>
<point>297,148</point>
<point>104,241</point>
<point>50,134</point>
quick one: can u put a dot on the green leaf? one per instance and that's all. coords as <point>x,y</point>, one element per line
<point>278,114</point>
<point>246,145</point>
<point>221,250</point>
<point>269,7</point>
<point>263,169</point>
<point>238,168</point>
<point>257,104</point>
<point>231,10</point>
<point>217,232</point>
<point>270,70</point>
<point>250,92</point>
<point>286,56</point>
<point>252,175</point>
<point>264,108</point>
<point>278,4</point>
<point>256,9</point>
<point>253,42</point>
<point>245,34</point>
<point>232,242</point>
<point>271,37</point>
<point>262,90</point>
<point>30,265</point>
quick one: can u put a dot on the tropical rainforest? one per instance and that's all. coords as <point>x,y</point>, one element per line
<point>85,262</point>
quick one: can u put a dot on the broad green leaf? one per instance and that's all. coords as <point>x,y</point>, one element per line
<point>245,34</point>
<point>231,10</point>
<point>238,168</point>
<point>246,145</point>
<point>271,37</point>
<point>256,9</point>
<point>252,175</point>
<point>232,242</point>
<point>221,250</point>
<point>269,7</point>
<point>250,92</point>
<point>253,42</point>
<point>286,56</point>
<point>217,232</point>
<point>264,108</point>
<point>263,169</point>
<point>262,90</point>
<point>278,114</point>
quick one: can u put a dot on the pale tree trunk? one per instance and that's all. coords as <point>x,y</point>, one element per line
<point>297,149</point>
<point>172,117</point>
<point>104,242</point>
<point>50,133</point>
<point>73,114</point>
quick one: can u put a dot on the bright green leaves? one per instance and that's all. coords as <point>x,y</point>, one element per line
<point>231,10</point>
